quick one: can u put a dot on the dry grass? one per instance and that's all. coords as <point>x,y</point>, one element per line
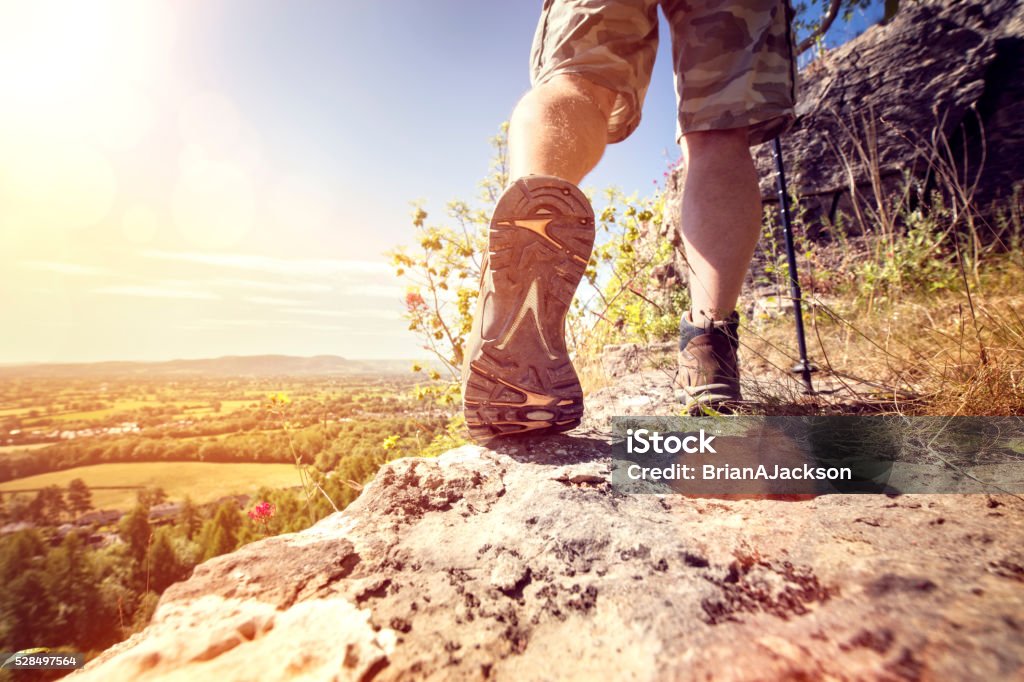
<point>925,315</point>
<point>919,355</point>
<point>918,309</point>
<point>591,373</point>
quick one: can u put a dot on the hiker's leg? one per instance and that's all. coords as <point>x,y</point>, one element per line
<point>517,375</point>
<point>560,128</point>
<point>721,217</point>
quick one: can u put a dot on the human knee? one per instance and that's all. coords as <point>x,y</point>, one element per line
<point>569,89</point>
<point>601,97</point>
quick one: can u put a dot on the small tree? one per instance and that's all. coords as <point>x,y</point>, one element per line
<point>189,518</point>
<point>164,565</point>
<point>220,534</point>
<point>17,552</point>
<point>31,610</point>
<point>72,578</point>
<point>79,497</point>
<point>135,531</point>
<point>442,271</point>
<point>19,508</point>
<point>150,497</point>
<point>48,506</point>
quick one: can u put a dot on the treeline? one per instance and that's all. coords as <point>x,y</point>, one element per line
<point>176,420</point>
<point>49,506</point>
<point>323,445</point>
<point>86,588</point>
<point>62,593</point>
<point>52,404</point>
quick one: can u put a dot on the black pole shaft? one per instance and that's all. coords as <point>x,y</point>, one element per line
<point>804,367</point>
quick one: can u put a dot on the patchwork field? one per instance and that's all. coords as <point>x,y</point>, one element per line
<point>17,449</point>
<point>114,485</point>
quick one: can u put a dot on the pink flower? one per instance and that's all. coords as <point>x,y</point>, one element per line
<point>262,512</point>
<point>414,301</point>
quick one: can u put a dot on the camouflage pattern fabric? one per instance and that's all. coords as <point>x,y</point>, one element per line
<point>733,60</point>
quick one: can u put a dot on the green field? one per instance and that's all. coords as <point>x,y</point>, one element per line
<point>202,481</point>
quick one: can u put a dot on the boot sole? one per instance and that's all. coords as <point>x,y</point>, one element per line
<point>522,380</point>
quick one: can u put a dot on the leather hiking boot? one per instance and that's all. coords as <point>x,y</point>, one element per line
<point>517,376</point>
<point>708,368</point>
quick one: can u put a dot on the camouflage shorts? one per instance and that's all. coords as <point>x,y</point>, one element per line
<point>733,60</point>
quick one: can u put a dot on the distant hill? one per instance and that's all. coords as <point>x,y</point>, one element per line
<point>229,365</point>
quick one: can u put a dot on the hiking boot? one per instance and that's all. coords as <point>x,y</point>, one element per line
<point>708,369</point>
<point>517,376</point>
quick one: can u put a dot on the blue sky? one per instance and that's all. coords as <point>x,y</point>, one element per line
<point>192,179</point>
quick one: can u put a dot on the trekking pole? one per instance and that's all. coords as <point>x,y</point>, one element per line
<point>804,366</point>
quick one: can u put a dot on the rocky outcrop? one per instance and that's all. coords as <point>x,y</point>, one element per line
<point>938,70</point>
<point>523,563</point>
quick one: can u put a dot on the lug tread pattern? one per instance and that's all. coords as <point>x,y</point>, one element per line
<point>540,241</point>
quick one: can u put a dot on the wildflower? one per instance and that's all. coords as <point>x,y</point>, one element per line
<point>262,512</point>
<point>414,301</point>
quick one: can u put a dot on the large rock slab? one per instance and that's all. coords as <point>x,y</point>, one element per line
<point>524,563</point>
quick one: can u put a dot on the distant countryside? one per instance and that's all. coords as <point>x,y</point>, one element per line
<point>116,479</point>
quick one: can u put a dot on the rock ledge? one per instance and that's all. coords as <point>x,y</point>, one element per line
<point>525,564</point>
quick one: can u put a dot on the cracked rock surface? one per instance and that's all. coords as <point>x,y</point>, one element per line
<point>524,564</point>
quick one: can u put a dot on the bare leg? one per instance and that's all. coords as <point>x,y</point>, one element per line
<point>560,128</point>
<point>517,374</point>
<point>721,219</point>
